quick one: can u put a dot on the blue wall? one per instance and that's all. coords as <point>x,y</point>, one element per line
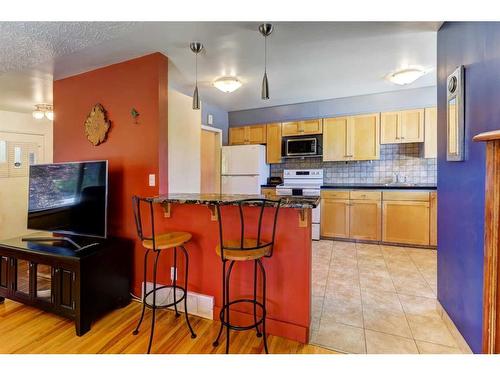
<point>220,118</point>
<point>461,184</point>
<point>386,101</point>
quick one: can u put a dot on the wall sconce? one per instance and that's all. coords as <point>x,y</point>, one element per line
<point>43,110</point>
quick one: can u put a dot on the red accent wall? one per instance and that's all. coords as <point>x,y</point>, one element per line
<point>133,150</point>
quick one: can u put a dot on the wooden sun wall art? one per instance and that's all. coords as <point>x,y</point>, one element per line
<point>97,125</point>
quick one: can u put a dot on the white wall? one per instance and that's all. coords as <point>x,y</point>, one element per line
<point>184,135</point>
<point>14,190</point>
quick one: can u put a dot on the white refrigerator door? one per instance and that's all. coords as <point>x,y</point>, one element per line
<point>240,185</point>
<point>243,160</point>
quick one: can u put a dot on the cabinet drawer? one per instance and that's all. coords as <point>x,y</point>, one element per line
<point>335,194</point>
<point>420,196</point>
<point>362,194</point>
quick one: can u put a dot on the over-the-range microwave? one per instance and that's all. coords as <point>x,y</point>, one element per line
<point>302,146</point>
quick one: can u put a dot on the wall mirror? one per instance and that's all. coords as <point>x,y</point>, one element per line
<point>455,143</point>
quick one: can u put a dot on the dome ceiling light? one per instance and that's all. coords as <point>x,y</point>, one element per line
<point>43,110</point>
<point>406,76</point>
<point>227,84</point>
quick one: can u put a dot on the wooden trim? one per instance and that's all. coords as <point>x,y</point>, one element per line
<point>167,210</point>
<point>213,212</point>
<point>304,214</point>
<point>487,136</point>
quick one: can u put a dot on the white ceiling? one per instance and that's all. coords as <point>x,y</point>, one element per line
<point>306,60</point>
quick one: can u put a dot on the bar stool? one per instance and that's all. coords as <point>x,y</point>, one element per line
<point>156,244</point>
<point>246,248</point>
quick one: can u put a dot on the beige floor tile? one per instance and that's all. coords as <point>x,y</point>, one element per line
<point>368,247</point>
<point>430,329</point>
<point>414,285</point>
<point>347,293</point>
<point>386,321</point>
<point>342,311</point>
<point>381,300</point>
<point>347,270</point>
<point>420,305</point>
<point>316,309</point>
<point>318,288</point>
<point>344,262</point>
<point>382,343</point>
<point>378,281</point>
<point>344,245</point>
<point>404,266</point>
<point>430,348</point>
<point>395,252</point>
<point>340,337</point>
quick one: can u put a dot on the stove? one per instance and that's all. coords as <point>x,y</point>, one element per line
<point>305,183</point>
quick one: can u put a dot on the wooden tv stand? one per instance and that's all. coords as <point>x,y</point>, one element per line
<point>79,285</point>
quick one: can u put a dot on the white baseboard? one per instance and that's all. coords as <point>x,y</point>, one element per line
<point>197,304</point>
<point>462,344</point>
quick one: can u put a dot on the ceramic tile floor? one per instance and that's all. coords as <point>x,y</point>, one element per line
<point>377,299</point>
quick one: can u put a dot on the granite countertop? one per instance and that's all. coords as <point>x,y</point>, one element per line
<point>380,186</point>
<point>208,199</point>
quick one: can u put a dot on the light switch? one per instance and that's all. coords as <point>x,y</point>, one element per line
<point>152,180</point>
<point>210,120</point>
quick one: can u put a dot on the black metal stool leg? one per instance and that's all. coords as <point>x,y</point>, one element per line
<point>154,303</point>
<point>264,304</point>
<point>228,276</point>
<point>255,298</point>
<point>216,342</point>
<point>143,293</point>
<point>193,335</point>
<point>174,283</point>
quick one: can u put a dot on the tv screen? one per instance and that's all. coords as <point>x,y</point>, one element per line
<point>69,198</point>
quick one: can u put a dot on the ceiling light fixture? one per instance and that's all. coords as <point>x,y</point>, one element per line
<point>43,110</point>
<point>196,48</point>
<point>265,29</point>
<point>406,76</point>
<point>227,84</point>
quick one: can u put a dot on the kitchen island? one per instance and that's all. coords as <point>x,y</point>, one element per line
<point>288,270</point>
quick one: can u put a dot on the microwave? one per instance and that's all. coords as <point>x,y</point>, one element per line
<point>302,146</point>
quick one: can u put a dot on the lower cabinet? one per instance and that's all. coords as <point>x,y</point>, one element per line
<point>406,222</point>
<point>268,193</point>
<point>335,218</point>
<point>365,218</point>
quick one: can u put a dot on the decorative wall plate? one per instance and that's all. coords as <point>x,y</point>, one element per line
<point>97,125</point>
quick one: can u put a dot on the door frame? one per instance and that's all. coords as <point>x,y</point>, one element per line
<point>215,130</point>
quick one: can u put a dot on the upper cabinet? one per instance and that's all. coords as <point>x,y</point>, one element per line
<point>247,135</point>
<point>402,126</point>
<point>351,138</point>
<point>302,127</point>
<point>273,149</point>
<point>430,145</point>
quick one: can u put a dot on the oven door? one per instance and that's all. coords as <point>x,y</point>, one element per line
<point>300,146</point>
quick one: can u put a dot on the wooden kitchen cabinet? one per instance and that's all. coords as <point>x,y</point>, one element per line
<point>351,138</point>
<point>365,218</point>
<point>406,222</point>
<point>433,219</point>
<point>269,193</point>
<point>430,134</point>
<point>302,127</point>
<point>247,135</point>
<point>273,138</point>
<point>402,126</point>
<point>335,218</point>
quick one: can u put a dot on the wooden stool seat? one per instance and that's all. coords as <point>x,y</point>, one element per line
<point>167,240</point>
<point>241,255</point>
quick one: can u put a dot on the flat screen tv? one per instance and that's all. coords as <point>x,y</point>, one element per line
<point>69,198</point>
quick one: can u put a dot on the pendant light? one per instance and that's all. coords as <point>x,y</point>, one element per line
<point>265,29</point>
<point>196,47</point>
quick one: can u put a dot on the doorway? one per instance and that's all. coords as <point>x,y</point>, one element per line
<point>210,164</point>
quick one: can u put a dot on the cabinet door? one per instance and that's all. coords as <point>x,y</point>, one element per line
<point>336,140</point>
<point>269,193</point>
<point>290,128</point>
<point>365,220</point>
<point>4,274</point>
<point>412,126</point>
<point>256,134</point>
<point>65,289</point>
<point>237,136</point>
<point>335,218</point>
<point>390,124</point>
<point>273,148</point>
<point>365,131</point>
<point>430,133</point>
<point>405,222</point>
<point>311,126</point>
<point>433,219</point>
<point>22,272</point>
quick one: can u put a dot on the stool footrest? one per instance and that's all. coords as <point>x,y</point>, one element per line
<point>176,301</point>
<point>240,301</point>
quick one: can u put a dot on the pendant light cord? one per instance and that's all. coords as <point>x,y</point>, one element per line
<point>196,70</point>
<point>265,54</point>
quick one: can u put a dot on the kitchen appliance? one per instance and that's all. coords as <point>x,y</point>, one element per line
<point>302,146</point>
<point>244,169</point>
<point>305,183</point>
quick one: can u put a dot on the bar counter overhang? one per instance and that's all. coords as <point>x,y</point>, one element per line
<point>288,270</point>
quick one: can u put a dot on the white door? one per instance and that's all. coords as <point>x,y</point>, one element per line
<point>17,153</point>
<point>241,160</point>
<point>240,185</point>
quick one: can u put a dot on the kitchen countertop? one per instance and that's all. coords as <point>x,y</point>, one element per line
<point>208,199</point>
<point>380,186</point>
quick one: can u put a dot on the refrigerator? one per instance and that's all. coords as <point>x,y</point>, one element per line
<point>244,169</point>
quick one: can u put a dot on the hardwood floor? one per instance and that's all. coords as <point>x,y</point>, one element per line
<point>27,330</point>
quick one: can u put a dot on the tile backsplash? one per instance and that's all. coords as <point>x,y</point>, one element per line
<point>402,159</point>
